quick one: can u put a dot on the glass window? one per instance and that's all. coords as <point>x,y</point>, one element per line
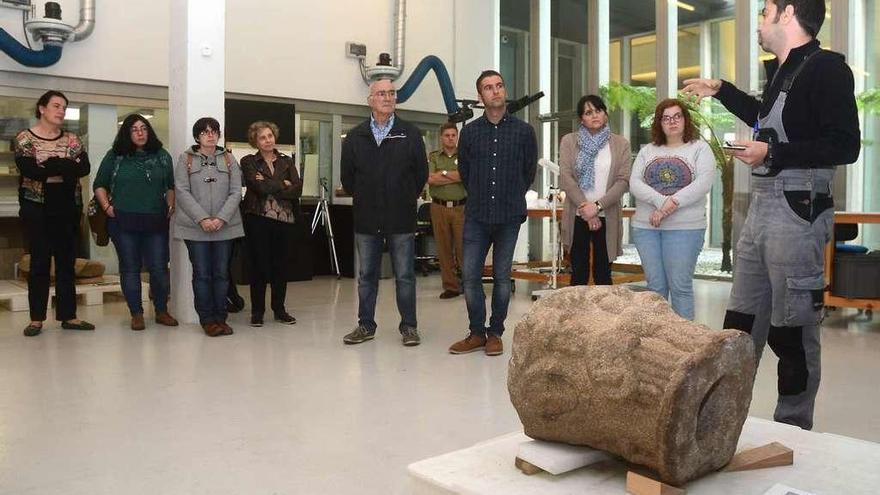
<point>17,114</point>
<point>315,154</point>
<point>688,53</point>
<point>723,48</point>
<point>514,46</point>
<point>614,57</point>
<point>871,142</point>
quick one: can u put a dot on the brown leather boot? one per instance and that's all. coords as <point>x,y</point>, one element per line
<point>494,346</point>
<point>166,319</point>
<point>213,329</point>
<point>137,322</point>
<point>471,343</point>
<point>227,330</point>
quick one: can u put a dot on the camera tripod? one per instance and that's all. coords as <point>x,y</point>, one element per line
<point>322,215</point>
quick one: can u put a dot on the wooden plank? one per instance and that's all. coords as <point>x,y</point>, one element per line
<point>636,484</point>
<point>843,302</point>
<point>856,217</point>
<point>527,467</point>
<point>770,455</point>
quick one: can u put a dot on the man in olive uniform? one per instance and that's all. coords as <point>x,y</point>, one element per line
<point>447,210</point>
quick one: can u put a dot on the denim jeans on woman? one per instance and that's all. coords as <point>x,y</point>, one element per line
<point>136,249</point>
<point>669,258</point>
<point>369,253</point>
<point>210,267</point>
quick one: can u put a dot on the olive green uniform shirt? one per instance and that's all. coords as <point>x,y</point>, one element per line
<point>439,161</point>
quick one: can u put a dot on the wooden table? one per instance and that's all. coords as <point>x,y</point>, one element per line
<point>837,301</point>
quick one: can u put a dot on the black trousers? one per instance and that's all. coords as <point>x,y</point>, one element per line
<point>582,242</point>
<point>268,250</point>
<point>51,234</point>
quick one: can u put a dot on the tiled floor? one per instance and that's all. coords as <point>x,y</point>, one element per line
<point>290,409</point>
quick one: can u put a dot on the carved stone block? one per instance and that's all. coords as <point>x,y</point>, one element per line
<point>618,370</point>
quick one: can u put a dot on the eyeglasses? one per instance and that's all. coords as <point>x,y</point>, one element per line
<point>209,132</point>
<point>386,94</point>
<point>668,119</point>
<point>139,130</point>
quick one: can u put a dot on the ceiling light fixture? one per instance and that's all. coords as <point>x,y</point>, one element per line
<point>686,6</point>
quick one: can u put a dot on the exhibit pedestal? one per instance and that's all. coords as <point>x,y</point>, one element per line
<point>824,463</point>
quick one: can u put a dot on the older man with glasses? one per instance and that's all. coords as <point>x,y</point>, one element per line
<point>384,168</point>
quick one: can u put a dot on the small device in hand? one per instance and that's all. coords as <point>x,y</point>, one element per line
<point>733,147</point>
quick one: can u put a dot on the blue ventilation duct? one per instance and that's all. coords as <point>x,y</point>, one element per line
<point>25,56</point>
<point>428,63</point>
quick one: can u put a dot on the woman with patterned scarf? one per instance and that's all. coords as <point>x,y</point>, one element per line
<point>594,173</point>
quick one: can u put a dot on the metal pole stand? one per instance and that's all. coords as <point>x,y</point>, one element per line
<point>555,239</point>
<point>322,215</point>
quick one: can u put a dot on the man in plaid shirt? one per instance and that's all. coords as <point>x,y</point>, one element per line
<point>497,160</point>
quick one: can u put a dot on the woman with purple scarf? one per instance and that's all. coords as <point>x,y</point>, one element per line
<point>594,173</point>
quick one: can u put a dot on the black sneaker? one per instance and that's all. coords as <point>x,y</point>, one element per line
<point>32,330</point>
<point>410,337</point>
<point>256,321</point>
<point>358,335</point>
<point>285,318</point>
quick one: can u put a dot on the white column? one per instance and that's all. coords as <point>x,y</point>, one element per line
<point>196,89</point>
<point>841,42</point>
<point>667,48</point>
<point>626,78</point>
<point>101,131</point>
<point>545,135</point>
<point>598,29</point>
<point>746,80</point>
<point>856,56</point>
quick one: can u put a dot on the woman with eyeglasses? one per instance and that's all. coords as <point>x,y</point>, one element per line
<point>670,180</point>
<point>270,204</point>
<point>207,182</point>
<point>51,161</point>
<point>594,173</point>
<point>135,187</point>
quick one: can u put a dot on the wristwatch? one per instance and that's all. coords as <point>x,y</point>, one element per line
<point>598,206</point>
<point>444,173</point>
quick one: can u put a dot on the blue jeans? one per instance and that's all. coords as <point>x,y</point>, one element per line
<point>402,248</point>
<point>210,266</point>
<point>478,236</point>
<point>669,258</point>
<point>135,250</point>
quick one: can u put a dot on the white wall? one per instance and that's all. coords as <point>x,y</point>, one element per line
<point>129,44</point>
<point>285,48</point>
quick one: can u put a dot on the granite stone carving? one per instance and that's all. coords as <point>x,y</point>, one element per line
<point>618,370</point>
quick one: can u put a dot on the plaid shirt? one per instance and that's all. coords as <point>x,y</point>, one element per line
<point>497,164</point>
<point>380,132</point>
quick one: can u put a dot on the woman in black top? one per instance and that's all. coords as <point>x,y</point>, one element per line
<point>51,161</point>
<point>269,207</point>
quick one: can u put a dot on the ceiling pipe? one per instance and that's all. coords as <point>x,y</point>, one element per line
<point>392,69</point>
<point>86,20</point>
<point>400,36</point>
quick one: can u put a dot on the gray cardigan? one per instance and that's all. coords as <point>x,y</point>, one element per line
<point>208,188</point>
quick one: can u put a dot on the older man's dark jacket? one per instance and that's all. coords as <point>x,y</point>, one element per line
<point>385,180</point>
